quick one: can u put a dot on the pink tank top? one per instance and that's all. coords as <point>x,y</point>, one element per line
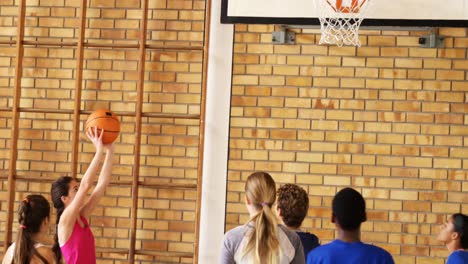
<point>80,249</point>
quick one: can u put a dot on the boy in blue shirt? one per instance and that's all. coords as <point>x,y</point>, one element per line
<point>348,212</point>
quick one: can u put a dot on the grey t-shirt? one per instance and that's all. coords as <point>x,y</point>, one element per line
<point>236,239</point>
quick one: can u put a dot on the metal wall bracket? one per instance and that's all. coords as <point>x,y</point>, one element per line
<point>283,36</point>
<point>434,40</point>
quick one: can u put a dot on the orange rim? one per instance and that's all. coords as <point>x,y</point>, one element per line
<point>354,8</point>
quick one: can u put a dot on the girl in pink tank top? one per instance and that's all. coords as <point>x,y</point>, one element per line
<point>80,246</point>
<point>74,239</point>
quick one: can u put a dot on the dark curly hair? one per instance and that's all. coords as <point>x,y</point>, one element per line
<point>293,201</point>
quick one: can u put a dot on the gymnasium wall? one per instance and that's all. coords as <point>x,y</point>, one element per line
<point>388,118</point>
<point>166,215</point>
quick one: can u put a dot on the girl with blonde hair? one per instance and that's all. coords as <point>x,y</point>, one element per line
<point>262,239</point>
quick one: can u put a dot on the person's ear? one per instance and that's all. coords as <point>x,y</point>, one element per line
<point>278,211</point>
<point>64,199</point>
<point>247,201</point>
<point>455,236</point>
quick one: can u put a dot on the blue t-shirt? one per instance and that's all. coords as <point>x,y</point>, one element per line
<point>340,252</point>
<point>309,241</point>
<point>458,257</point>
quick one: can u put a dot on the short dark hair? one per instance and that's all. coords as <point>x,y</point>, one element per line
<point>460,225</point>
<point>349,209</point>
<point>293,202</point>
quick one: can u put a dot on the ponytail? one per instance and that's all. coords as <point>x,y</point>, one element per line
<point>266,237</point>
<point>56,246</point>
<point>262,243</point>
<point>31,214</point>
<point>59,188</point>
<point>24,243</point>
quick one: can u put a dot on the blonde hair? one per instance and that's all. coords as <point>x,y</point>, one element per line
<point>263,241</point>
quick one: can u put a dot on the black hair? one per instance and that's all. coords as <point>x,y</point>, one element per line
<point>59,188</point>
<point>32,212</point>
<point>349,209</point>
<point>460,225</point>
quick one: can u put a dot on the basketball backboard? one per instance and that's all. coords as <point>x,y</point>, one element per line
<point>393,13</point>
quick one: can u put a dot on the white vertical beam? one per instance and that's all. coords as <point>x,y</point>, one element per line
<point>218,102</point>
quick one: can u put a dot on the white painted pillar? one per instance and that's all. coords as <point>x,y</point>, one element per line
<point>218,102</point>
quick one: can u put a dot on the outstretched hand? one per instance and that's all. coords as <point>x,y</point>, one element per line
<point>95,137</point>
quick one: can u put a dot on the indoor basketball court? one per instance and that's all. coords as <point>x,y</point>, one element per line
<point>198,95</point>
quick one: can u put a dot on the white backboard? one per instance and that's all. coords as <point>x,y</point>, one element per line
<point>424,13</point>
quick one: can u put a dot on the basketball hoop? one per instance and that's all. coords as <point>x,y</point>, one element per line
<point>340,20</point>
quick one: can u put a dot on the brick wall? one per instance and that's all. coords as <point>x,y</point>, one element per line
<point>387,118</point>
<point>166,217</point>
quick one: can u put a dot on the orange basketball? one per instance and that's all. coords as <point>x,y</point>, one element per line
<point>104,119</point>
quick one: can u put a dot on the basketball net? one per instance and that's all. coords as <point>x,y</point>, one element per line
<point>340,20</point>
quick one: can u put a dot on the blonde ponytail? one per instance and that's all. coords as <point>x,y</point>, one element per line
<point>262,243</point>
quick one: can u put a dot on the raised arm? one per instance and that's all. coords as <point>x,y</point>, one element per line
<point>103,181</point>
<point>72,211</point>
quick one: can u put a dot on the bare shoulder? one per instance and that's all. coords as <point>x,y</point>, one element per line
<point>47,253</point>
<point>8,255</point>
